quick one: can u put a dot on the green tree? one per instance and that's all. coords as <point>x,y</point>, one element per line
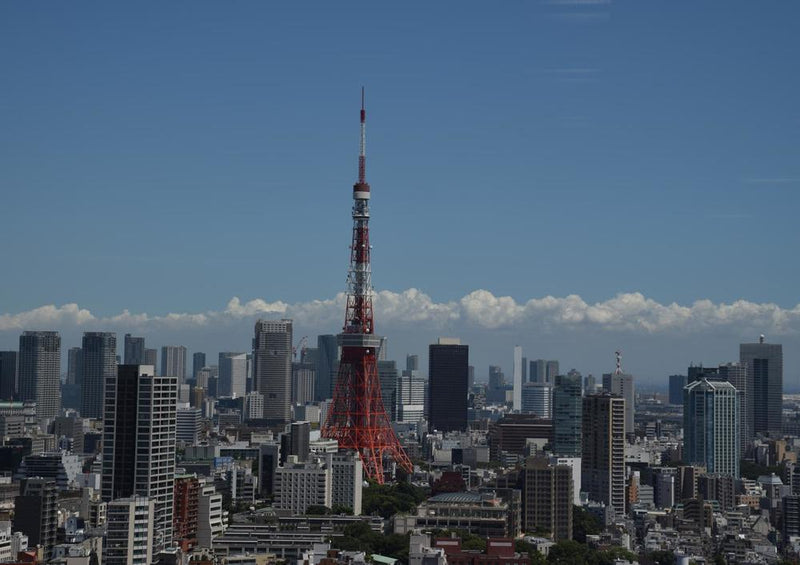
<point>584,523</point>
<point>317,510</point>
<point>568,552</point>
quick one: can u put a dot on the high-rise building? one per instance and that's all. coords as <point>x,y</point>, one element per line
<point>99,362</point>
<point>299,485</point>
<point>567,416</point>
<point>253,406</point>
<point>327,365</point>
<point>537,399</point>
<point>676,384</point>
<point>232,375</point>
<point>139,441</point>
<point>131,532</point>
<point>447,373</point>
<point>134,351</point>
<point>40,372</point>
<point>36,513</point>
<point>411,398</point>
<point>711,426</point>
<point>543,371</point>
<point>298,440</point>
<point>347,480</point>
<point>548,493</point>
<point>736,374</point>
<point>74,362</point>
<point>272,367</point>
<point>8,375</point>
<point>516,402</point>
<point>603,452</point>
<point>388,375</point>
<point>173,362</point>
<point>412,365</point>
<point>198,362</point>
<point>764,392</point>
<point>621,384</point>
<point>151,358</point>
<point>303,377</point>
<point>189,424</point>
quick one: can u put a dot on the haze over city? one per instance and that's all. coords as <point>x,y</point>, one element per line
<point>572,177</point>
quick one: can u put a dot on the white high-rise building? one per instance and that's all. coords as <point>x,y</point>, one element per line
<point>189,424</point>
<point>347,480</point>
<point>232,375</point>
<point>537,399</point>
<point>173,362</point>
<point>210,516</point>
<point>411,397</point>
<point>253,406</point>
<point>517,392</point>
<point>130,536</point>
<point>139,441</point>
<point>711,424</point>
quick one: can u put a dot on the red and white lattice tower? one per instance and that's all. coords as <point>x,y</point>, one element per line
<point>357,417</point>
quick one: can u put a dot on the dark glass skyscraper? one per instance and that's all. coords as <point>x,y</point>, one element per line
<point>98,362</point>
<point>8,375</point>
<point>448,372</point>
<point>676,384</point>
<point>272,367</point>
<point>764,392</point>
<point>568,415</point>
<point>40,372</point>
<point>134,350</point>
<point>198,362</point>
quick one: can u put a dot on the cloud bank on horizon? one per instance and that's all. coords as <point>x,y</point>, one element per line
<point>480,309</point>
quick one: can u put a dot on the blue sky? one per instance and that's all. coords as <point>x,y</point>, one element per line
<point>165,157</point>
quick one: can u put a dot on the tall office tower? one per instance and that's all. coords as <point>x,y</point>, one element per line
<point>538,371</point>
<point>140,419</point>
<point>272,367</point>
<point>764,386</point>
<point>173,362</point>
<point>8,375</point>
<point>496,392</point>
<point>676,384</point>
<point>299,440</point>
<point>621,384</point>
<point>74,363</point>
<point>131,532</point>
<point>134,351</point>
<point>412,365</point>
<point>411,398</point>
<point>40,372</point>
<point>71,428</point>
<point>447,381</point>
<point>253,406</point>
<point>736,374</point>
<point>303,377</point>
<point>232,375</point>
<point>99,356</point>
<point>537,399</point>
<point>567,416</point>
<point>347,480</point>
<point>151,358</point>
<point>471,376</point>
<point>603,452</point>
<point>198,362</point>
<point>36,513</point>
<point>327,365</point>
<point>188,425</point>
<point>589,384</point>
<point>548,493</point>
<point>711,426</point>
<point>516,402</point>
<point>551,371</point>
<point>388,375</point>
<point>524,369</point>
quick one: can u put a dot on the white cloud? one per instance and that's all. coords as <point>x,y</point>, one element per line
<point>479,309</point>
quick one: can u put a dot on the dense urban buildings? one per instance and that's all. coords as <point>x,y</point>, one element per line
<point>272,367</point>
<point>39,371</point>
<point>448,363</point>
<point>232,374</point>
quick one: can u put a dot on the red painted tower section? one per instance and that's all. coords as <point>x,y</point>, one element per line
<point>357,417</point>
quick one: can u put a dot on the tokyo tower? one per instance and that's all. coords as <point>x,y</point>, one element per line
<point>357,417</point>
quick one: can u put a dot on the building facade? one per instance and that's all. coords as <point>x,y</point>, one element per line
<point>98,361</point>
<point>448,363</point>
<point>173,362</point>
<point>764,391</point>
<point>131,535</point>
<point>548,498</point>
<point>272,367</point>
<point>40,372</point>
<point>711,426</point>
<point>568,416</point>
<point>603,451</point>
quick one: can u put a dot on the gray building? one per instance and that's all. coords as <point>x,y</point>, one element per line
<point>98,362</point>
<point>621,384</point>
<point>8,375</point>
<point>567,415</point>
<point>543,371</point>
<point>603,451</point>
<point>173,362</point>
<point>272,367</point>
<point>764,391</point>
<point>711,426</point>
<point>151,358</point>
<point>74,361</point>
<point>448,363</point>
<point>303,380</point>
<point>36,513</point>
<point>40,372</point>
<point>676,384</point>
<point>232,374</point>
<point>133,353</point>
<point>736,374</point>
<point>198,362</point>
<point>388,375</point>
<point>327,365</point>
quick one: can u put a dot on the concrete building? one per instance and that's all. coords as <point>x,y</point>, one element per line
<point>603,452</point>
<point>516,402</point>
<point>36,513</point>
<point>388,375</point>
<point>232,375</point>
<point>61,467</point>
<point>621,384</point>
<point>151,358</point>
<point>543,371</point>
<point>40,372</point>
<point>184,520</point>
<point>736,374</point>
<point>134,352</point>
<point>299,485</point>
<point>198,362</point>
<point>303,381</point>
<point>70,427</point>
<point>448,363</point>
<point>210,516</point>
<point>347,480</point>
<point>568,416</point>
<point>411,398</point>
<point>711,426</point>
<point>764,390</point>
<point>98,362</point>
<point>253,406</point>
<point>139,441</point>
<point>272,368</point>
<point>8,375</point>
<point>189,424</point>
<point>537,399</point>
<point>480,514</point>
<point>327,362</point>
<point>548,498</point>
<point>131,535</point>
<point>511,433</point>
<point>173,362</point>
